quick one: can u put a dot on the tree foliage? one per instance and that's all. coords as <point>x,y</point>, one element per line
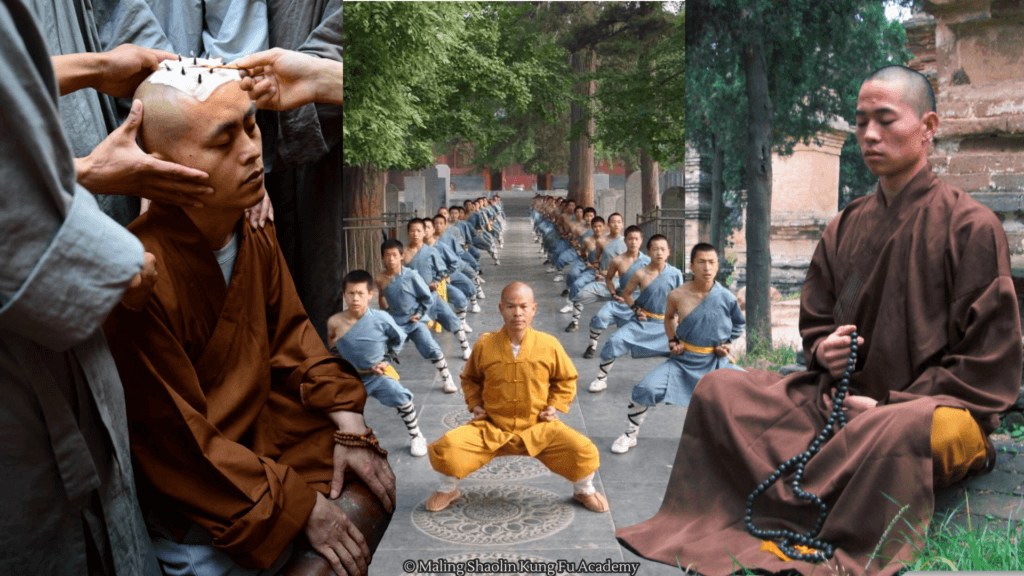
<point>814,56</point>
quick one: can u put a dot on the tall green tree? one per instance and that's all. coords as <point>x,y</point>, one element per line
<point>640,104</point>
<point>419,73</point>
<point>800,61</point>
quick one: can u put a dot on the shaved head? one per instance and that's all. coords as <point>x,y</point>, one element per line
<point>915,89</point>
<point>163,120</point>
<point>516,288</point>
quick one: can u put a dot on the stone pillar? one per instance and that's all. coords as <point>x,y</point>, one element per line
<point>415,194</point>
<point>979,81</point>
<point>632,204</point>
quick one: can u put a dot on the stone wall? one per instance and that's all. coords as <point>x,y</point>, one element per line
<point>973,51</point>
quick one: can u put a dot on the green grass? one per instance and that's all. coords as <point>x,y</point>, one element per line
<point>767,359</point>
<point>952,547</point>
<point>1014,431</point>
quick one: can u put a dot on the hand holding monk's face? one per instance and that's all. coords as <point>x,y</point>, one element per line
<point>834,351</point>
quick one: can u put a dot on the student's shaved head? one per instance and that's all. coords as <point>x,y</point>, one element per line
<point>915,88</point>
<point>163,122</point>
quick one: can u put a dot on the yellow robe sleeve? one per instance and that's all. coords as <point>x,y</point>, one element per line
<point>562,380</point>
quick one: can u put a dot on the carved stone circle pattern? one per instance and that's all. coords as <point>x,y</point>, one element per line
<point>504,468</point>
<point>497,515</point>
<point>491,557</point>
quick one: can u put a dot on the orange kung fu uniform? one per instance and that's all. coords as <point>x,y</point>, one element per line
<point>227,390</point>
<point>513,390</point>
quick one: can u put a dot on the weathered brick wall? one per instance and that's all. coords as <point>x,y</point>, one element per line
<point>973,53</point>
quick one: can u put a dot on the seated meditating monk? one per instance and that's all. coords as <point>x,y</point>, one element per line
<point>809,471</point>
<point>241,422</point>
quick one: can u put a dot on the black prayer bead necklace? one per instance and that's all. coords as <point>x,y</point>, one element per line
<point>789,539</point>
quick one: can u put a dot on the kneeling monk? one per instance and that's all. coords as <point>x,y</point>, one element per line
<point>240,420</point>
<point>921,272</point>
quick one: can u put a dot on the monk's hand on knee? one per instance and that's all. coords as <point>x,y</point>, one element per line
<point>370,467</point>
<point>834,351</point>
<point>547,415</point>
<point>478,413</point>
<point>336,538</point>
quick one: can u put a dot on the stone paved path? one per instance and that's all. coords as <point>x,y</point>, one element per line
<point>514,509</point>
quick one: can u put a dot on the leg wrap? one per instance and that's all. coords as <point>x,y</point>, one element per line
<point>635,413</point>
<point>442,365</point>
<point>577,311</point>
<point>408,413</point>
<point>584,485</point>
<point>605,367</point>
<point>594,335</point>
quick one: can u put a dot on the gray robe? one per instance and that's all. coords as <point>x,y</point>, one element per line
<point>65,467</point>
<point>76,26</point>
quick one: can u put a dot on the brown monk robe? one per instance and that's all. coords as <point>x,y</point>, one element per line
<point>925,277</point>
<point>227,390</point>
<point>238,417</point>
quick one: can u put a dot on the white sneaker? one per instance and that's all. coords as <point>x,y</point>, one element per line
<point>598,385</point>
<point>481,279</point>
<point>480,295</point>
<point>475,308</point>
<point>623,443</point>
<point>558,278</point>
<point>551,270</point>
<point>418,446</point>
<point>465,356</point>
<point>497,262</point>
<point>565,309</point>
<point>449,385</point>
<point>465,327</point>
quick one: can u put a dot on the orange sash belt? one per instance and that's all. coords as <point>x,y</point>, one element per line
<point>651,314</point>
<point>697,349</point>
<point>388,371</point>
<point>442,290</point>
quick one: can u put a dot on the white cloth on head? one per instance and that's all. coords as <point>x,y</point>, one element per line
<point>197,77</point>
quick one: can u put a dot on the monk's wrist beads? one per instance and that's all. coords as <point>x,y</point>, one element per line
<point>789,539</point>
<point>353,440</point>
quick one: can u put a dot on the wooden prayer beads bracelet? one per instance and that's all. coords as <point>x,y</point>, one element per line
<point>789,539</point>
<point>353,440</point>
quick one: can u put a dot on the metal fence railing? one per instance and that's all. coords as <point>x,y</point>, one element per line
<point>673,224</point>
<point>362,237</point>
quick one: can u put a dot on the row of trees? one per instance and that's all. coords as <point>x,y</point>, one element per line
<point>539,84</point>
<point>549,84</point>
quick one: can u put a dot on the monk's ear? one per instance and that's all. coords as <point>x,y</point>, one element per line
<point>931,125</point>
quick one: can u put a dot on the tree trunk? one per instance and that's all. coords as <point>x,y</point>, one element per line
<point>759,196</point>
<point>544,181</point>
<point>717,236</point>
<point>362,198</point>
<point>650,196</point>
<point>581,148</point>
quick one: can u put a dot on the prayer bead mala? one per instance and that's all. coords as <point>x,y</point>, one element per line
<point>353,440</point>
<point>790,539</point>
